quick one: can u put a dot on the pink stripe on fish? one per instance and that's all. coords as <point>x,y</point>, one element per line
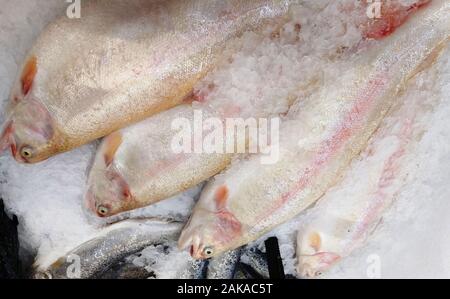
<point>387,178</point>
<point>351,121</point>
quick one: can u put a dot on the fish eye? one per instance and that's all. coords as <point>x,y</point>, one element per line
<point>102,210</point>
<point>208,251</point>
<point>26,152</point>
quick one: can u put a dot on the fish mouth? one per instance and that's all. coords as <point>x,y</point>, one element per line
<point>7,137</point>
<point>194,244</point>
<point>191,242</point>
<point>90,200</point>
<point>8,140</point>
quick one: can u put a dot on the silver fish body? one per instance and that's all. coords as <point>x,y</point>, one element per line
<point>224,266</point>
<point>95,257</point>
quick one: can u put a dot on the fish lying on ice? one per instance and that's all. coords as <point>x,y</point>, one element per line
<point>95,257</point>
<point>316,145</point>
<point>118,64</point>
<point>137,166</point>
<point>344,224</point>
<point>344,219</point>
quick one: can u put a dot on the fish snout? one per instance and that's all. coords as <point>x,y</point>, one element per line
<point>91,203</point>
<point>90,200</point>
<point>190,241</point>
<point>7,138</point>
<point>194,242</point>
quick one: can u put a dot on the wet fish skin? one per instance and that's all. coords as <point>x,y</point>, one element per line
<point>118,64</point>
<point>250,199</point>
<point>257,261</point>
<point>119,241</point>
<point>224,266</point>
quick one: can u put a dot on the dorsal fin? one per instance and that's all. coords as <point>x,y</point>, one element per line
<point>110,147</point>
<point>221,197</point>
<point>28,75</point>
<point>315,241</point>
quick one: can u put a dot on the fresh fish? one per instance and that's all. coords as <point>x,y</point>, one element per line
<point>135,167</point>
<point>95,257</point>
<point>343,225</point>
<point>224,266</point>
<point>343,219</point>
<point>118,64</point>
<point>316,145</point>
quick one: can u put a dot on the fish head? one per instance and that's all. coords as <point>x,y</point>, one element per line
<point>198,236</point>
<point>29,130</point>
<point>108,190</point>
<point>212,228</point>
<point>313,258</point>
<point>108,193</point>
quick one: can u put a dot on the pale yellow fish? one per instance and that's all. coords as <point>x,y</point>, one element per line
<point>121,62</point>
<point>143,164</point>
<point>317,145</point>
<point>137,166</point>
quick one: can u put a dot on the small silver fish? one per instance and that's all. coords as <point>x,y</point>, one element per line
<point>120,240</point>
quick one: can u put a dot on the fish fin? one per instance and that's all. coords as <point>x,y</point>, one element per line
<point>112,143</point>
<point>315,241</point>
<point>221,197</point>
<point>28,75</point>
